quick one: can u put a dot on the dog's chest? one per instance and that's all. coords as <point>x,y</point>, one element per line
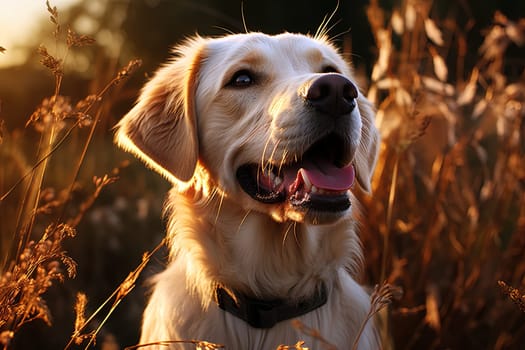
<point>337,322</point>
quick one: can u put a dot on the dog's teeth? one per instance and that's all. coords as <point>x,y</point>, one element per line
<point>306,180</point>
<point>277,180</point>
<point>314,189</point>
<point>271,175</point>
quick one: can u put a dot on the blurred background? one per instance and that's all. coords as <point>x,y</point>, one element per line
<point>446,221</point>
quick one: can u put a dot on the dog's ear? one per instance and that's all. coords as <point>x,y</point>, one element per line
<point>368,149</point>
<point>161,128</point>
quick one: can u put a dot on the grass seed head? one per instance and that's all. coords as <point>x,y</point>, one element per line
<point>514,294</point>
<point>54,64</point>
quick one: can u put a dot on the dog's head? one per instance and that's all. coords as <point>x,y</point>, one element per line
<point>273,123</point>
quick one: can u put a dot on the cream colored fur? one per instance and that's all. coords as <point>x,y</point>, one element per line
<point>196,132</point>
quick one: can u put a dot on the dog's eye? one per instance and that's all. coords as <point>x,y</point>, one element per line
<point>242,78</point>
<point>330,69</point>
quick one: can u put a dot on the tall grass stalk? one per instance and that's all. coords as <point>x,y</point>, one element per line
<point>33,266</point>
<point>448,193</point>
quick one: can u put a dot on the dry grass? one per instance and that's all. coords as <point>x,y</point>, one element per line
<point>199,344</point>
<point>514,294</point>
<point>446,221</point>
<point>82,323</point>
<point>32,266</point>
<point>448,204</point>
<point>25,281</point>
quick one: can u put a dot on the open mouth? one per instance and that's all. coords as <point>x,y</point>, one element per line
<point>319,181</point>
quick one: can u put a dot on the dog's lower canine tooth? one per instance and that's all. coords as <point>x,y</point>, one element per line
<point>306,180</point>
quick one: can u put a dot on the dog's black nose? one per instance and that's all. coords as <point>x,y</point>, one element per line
<point>332,94</point>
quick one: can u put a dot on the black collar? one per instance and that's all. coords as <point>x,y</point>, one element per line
<point>266,313</point>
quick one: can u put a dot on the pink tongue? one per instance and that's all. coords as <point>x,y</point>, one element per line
<point>329,177</point>
<point>324,175</point>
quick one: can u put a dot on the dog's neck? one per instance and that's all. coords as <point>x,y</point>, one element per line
<point>261,313</point>
<point>297,258</point>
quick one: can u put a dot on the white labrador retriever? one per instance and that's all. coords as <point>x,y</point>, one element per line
<point>262,137</point>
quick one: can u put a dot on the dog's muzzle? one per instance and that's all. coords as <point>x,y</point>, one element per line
<point>321,178</point>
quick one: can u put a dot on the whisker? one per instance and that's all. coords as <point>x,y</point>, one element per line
<point>226,30</point>
<point>209,198</point>
<point>286,234</point>
<point>337,36</point>
<point>329,29</point>
<point>295,233</point>
<point>255,132</point>
<point>283,158</point>
<point>273,151</point>
<point>263,156</point>
<point>243,219</point>
<point>320,29</point>
<point>244,18</point>
<point>323,29</point>
<point>219,207</point>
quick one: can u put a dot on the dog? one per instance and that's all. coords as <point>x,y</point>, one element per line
<point>263,137</point>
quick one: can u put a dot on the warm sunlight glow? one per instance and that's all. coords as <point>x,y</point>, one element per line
<point>18,21</point>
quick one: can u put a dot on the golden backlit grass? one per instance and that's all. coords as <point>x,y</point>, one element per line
<point>448,203</point>
<point>32,266</point>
